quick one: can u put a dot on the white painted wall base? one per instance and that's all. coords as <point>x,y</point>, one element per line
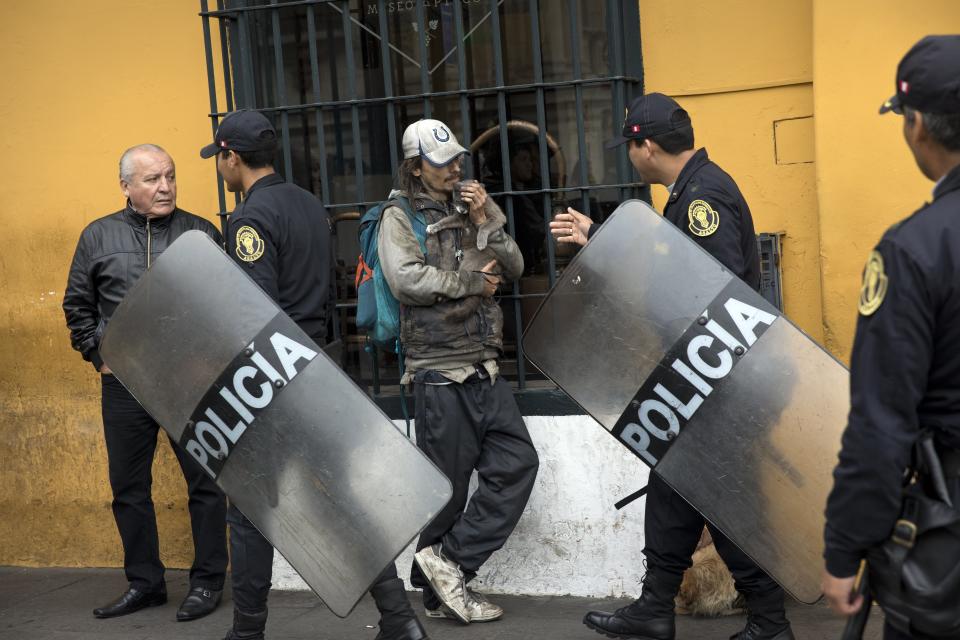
<point>570,540</point>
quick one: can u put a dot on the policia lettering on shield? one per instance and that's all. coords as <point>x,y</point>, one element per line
<point>280,235</point>
<point>706,204</point>
<point>905,365</point>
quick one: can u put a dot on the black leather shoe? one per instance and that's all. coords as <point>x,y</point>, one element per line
<point>200,601</point>
<point>131,601</point>
<point>410,630</point>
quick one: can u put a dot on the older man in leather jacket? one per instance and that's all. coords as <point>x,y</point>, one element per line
<point>111,255</point>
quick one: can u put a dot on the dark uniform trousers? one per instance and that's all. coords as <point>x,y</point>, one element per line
<point>462,427</point>
<point>131,438</point>
<point>252,565</point>
<point>672,529</point>
<point>251,561</point>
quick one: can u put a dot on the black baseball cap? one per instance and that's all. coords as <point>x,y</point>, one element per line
<point>650,115</point>
<point>928,77</point>
<point>242,130</point>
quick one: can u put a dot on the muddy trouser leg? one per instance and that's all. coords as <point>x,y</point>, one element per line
<point>461,427</point>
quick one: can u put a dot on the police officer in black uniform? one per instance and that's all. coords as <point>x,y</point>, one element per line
<point>706,204</point>
<point>905,366</point>
<point>280,235</point>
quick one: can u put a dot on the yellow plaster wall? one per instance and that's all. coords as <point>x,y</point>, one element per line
<point>866,176</point>
<point>83,81</point>
<point>86,80</point>
<point>739,67</point>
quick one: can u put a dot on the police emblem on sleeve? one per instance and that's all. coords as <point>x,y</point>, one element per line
<point>249,244</point>
<point>703,219</point>
<point>874,286</point>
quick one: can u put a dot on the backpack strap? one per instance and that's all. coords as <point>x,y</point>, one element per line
<point>416,221</point>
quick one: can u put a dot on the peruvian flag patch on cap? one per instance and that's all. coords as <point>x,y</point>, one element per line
<point>904,86</point>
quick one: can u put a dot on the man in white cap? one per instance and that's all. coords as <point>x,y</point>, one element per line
<point>451,329</point>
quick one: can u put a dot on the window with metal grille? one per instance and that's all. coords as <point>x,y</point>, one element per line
<point>531,87</point>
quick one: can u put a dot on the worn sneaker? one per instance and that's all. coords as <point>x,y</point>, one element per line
<point>478,608</point>
<point>446,580</point>
<point>481,609</point>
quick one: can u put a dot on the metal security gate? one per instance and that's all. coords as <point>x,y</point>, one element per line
<point>532,87</point>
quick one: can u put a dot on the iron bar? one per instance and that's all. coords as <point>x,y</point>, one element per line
<point>616,54</point>
<point>505,168</point>
<point>212,87</point>
<point>573,11</point>
<point>462,85</point>
<point>422,36</point>
<point>354,108</point>
<point>526,192</point>
<point>387,69</point>
<point>318,114</point>
<point>281,91</point>
<point>225,57</point>
<point>547,201</point>
<point>337,104</point>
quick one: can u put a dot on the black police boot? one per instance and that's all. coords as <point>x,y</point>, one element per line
<point>766,618</point>
<point>247,626</point>
<point>649,618</point>
<point>397,619</point>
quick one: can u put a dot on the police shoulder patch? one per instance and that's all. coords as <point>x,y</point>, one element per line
<point>704,220</point>
<point>874,286</point>
<point>249,244</point>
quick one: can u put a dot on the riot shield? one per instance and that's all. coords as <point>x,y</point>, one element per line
<point>701,378</point>
<point>295,444</point>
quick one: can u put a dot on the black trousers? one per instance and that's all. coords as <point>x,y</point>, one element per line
<point>131,437</point>
<point>672,529</point>
<point>251,563</point>
<point>251,569</point>
<point>462,427</point>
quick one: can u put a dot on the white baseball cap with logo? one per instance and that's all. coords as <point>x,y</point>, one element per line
<point>432,140</point>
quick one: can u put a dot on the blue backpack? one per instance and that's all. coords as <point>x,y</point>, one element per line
<point>378,311</point>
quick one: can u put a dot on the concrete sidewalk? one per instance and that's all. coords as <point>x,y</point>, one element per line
<point>56,604</point>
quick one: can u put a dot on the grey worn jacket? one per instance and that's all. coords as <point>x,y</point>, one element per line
<point>446,325</point>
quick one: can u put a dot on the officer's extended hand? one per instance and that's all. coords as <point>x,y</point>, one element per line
<point>491,281</point>
<point>571,226</point>
<point>475,195</point>
<point>105,369</point>
<point>838,593</point>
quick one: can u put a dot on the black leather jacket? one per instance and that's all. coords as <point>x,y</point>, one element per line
<point>112,253</point>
